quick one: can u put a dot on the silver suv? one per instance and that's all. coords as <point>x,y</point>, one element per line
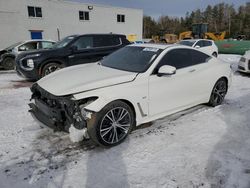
<point>8,55</point>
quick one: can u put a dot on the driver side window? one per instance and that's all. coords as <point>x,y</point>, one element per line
<point>28,46</point>
<point>200,44</point>
<point>84,42</point>
<point>178,58</point>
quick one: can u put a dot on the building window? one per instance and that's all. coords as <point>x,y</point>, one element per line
<point>35,12</point>
<point>83,15</point>
<point>120,18</point>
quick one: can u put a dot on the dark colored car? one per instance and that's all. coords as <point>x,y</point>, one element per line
<point>72,50</point>
<point>8,55</point>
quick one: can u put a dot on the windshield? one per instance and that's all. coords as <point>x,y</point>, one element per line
<point>187,42</point>
<point>132,58</point>
<point>64,42</point>
<point>13,46</point>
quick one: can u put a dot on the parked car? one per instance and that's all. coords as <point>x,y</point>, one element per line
<point>244,63</point>
<point>72,50</point>
<point>8,55</point>
<point>136,84</point>
<point>204,45</point>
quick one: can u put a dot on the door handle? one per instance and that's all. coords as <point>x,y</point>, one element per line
<point>192,70</point>
<point>71,56</point>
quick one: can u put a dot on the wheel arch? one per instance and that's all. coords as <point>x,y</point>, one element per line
<point>130,104</point>
<point>225,78</point>
<point>8,55</point>
<point>46,62</point>
<point>99,104</point>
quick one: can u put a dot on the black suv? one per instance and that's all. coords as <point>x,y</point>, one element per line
<point>72,50</point>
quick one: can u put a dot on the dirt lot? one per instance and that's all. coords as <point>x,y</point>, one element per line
<point>200,147</point>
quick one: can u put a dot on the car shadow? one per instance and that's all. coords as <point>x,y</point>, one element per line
<point>229,162</point>
<point>106,168</point>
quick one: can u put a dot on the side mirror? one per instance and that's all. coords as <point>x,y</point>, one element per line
<point>73,48</point>
<point>197,47</point>
<point>166,70</point>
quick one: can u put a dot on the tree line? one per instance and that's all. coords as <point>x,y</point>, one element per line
<point>220,17</point>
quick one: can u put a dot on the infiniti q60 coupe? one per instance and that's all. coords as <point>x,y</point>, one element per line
<point>136,84</point>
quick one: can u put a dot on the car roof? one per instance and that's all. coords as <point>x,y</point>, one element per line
<point>38,40</point>
<point>96,34</point>
<point>153,45</point>
<point>194,40</point>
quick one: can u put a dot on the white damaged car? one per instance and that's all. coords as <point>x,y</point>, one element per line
<point>134,85</point>
<point>244,63</point>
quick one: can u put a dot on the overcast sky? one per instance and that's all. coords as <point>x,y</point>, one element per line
<point>157,8</point>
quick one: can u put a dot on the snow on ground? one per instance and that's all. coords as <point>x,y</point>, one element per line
<point>200,147</point>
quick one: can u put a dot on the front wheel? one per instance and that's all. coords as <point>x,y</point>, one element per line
<point>218,93</point>
<point>112,124</point>
<point>51,67</point>
<point>8,63</point>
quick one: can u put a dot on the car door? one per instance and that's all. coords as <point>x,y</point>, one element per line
<point>205,46</point>
<point>171,93</point>
<point>45,44</point>
<point>82,51</point>
<point>208,47</point>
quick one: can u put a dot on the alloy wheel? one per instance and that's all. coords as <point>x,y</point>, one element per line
<point>219,92</point>
<point>51,69</point>
<point>115,125</point>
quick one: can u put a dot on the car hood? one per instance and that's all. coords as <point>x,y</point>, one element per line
<point>81,78</point>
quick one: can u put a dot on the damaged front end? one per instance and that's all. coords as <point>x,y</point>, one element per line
<point>60,113</point>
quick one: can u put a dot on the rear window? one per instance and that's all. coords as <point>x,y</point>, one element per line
<point>187,42</point>
<point>108,40</point>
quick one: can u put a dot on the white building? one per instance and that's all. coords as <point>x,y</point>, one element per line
<point>53,19</point>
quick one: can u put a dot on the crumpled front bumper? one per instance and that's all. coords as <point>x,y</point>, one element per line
<point>44,120</point>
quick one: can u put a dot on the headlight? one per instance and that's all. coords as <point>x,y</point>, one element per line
<point>85,114</point>
<point>85,102</point>
<point>30,63</point>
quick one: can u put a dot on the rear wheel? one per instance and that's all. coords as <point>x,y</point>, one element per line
<point>219,92</point>
<point>112,124</point>
<point>8,63</point>
<point>51,67</point>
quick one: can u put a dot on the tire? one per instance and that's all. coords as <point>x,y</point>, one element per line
<point>215,54</point>
<point>51,67</point>
<point>107,129</point>
<point>8,63</point>
<point>218,93</point>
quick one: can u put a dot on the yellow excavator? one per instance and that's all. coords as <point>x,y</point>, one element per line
<point>166,38</point>
<point>200,31</point>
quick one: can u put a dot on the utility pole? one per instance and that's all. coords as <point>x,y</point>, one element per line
<point>229,22</point>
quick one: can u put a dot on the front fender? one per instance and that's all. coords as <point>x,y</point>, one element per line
<point>140,104</point>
